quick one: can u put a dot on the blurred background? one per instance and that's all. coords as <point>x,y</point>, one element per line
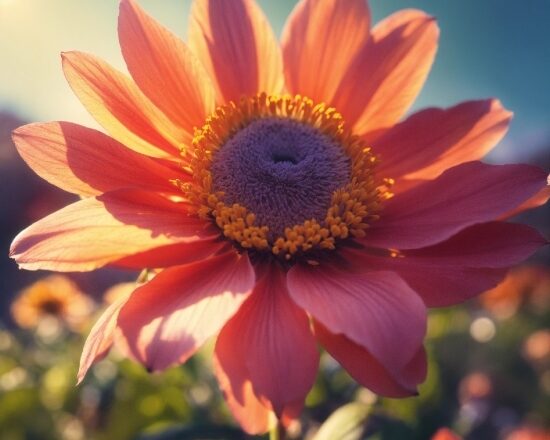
<point>489,359</point>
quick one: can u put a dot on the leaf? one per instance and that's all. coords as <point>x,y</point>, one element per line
<point>346,423</point>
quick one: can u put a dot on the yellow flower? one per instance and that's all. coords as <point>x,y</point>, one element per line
<point>55,295</point>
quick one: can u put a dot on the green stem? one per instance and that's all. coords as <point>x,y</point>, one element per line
<point>143,275</point>
<point>278,432</point>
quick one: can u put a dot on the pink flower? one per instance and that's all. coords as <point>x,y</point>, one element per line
<point>284,220</point>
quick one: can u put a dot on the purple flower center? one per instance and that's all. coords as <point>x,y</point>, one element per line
<point>282,170</point>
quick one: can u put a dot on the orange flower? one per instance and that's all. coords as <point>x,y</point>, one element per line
<point>56,296</point>
<point>445,434</point>
<point>120,290</point>
<point>526,283</point>
<point>300,210</point>
<point>536,347</point>
<point>528,433</point>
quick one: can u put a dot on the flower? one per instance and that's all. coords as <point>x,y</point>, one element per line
<point>281,194</point>
<point>536,348</point>
<point>445,434</point>
<point>528,433</point>
<point>524,284</point>
<point>56,296</point>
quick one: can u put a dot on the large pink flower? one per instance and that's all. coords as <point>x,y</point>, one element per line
<point>303,210</point>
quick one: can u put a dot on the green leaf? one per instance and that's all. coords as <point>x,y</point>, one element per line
<point>346,423</point>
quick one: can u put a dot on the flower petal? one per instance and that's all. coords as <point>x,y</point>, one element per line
<point>470,193</point>
<point>93,232</point>
<point>470,262</point>
<point>85,161</point>
<point>388,73</point>
<point>445,286</point>
<point>432,140</point>
<point>537,200</point>
<point>234,380</point>
<point>235,43</point>
<point>376,310</point>
<point>121,108</point>
<point>101,336</point>
<point>164,68</point>
<point>366,370</point>
<point>269,344</point>
<point>173,254</point>
<point>320,41</point>
<point>169,318</point>
<point>492,244</point>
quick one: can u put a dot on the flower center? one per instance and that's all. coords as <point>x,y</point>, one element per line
<point>281,174</point>
<point>51,306</point>
<point>281,170</point>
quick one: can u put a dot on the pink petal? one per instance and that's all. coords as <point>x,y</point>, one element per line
<point>269,344</point>
<point>101,336</point>
<point>537,200</point>
<point>320,41</point>
<point>445,286</point>
<point>432,140</point>
<point>389,72</point>
<point>472,261</point>
<point>376,310</point>
<point>493,244</point>
<point>169,318</point>
<point>370,373</point>
<point>121,108</point>
<point>462,196</point>
<point>236,45</point>
<point>86,162</point>
<point>173,254</point>
<point>164,68</point>
<point>93,232</point>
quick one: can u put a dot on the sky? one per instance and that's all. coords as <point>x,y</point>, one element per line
<point>488,48</point>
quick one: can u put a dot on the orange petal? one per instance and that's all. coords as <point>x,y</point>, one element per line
<point>100,339</point>
<point>252,415</point>
<point>235,43</point>
<point>320,41</point>
<point>121,108</point>
<point>93,232</point>
<point>164,68</point>
<point>388,73</point>
<point>433,140</point>
<point>85,161</point>
<point>173,254</point>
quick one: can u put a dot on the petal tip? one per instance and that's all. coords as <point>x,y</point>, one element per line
<point>497,106</point>
<point>67,56</point>
<point>127,6</point>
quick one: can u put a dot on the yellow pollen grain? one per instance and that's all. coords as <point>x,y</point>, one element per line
<point>353,207</point>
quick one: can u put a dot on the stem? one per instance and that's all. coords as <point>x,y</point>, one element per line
<point>142,277</point>
<point>278,432</point>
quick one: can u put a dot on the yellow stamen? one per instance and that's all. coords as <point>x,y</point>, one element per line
<point>353,207</point>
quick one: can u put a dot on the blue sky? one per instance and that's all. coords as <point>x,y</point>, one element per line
<point>488,48</point>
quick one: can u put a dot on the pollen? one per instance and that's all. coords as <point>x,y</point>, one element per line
<point>284,175</point>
